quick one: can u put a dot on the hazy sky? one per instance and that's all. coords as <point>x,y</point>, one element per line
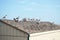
<point>45,10</point>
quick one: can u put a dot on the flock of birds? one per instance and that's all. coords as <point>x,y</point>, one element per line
<point>24,19</point>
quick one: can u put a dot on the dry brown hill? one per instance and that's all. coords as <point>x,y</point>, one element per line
<point>33,26</point>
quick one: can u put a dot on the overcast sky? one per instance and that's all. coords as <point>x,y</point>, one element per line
<point>45,10</point>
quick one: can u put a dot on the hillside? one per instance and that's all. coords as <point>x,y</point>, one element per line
<point>33,26</point>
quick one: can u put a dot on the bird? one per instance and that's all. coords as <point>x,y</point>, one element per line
<point>5,16</point>
<point>17,17</point>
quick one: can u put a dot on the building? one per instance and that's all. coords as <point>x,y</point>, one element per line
<point>49,35</point>
<point>12,30</point>
<point>9,32</point>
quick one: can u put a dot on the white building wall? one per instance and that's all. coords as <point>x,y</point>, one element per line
<point>50,35</point>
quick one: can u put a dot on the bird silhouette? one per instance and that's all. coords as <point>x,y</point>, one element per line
<point>17,17</point>
<point>5,16</point>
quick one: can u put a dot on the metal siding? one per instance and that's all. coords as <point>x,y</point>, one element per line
<point>9,33</point>
<point>12,38</point>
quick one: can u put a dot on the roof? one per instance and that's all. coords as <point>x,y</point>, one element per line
<point>33,27</point>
